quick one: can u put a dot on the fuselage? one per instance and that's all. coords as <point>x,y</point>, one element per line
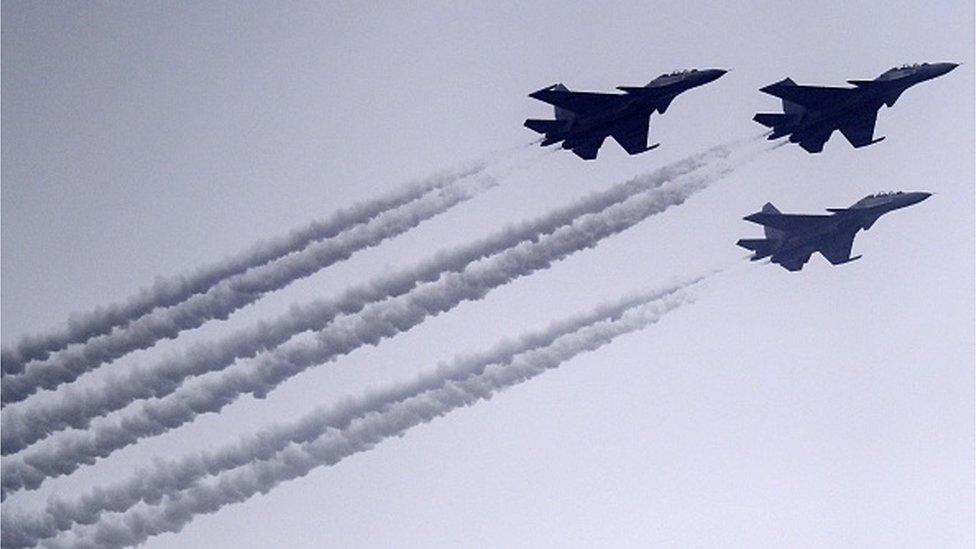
<point>825,121</point>
<point>636,102</point>
<point>587,128</point>
<point>860,215</point>
<point>868,95</point>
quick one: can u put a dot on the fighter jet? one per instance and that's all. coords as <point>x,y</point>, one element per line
<point>791,238</point>
<point>585,119</point>
<point>812,113</point>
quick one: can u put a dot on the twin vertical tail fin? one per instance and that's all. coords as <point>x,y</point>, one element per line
<point>771,233</point>
<point>764,247</point>
<point>561,113</point>
<point>781,123</point>
<point>553,130</point>
<point>789,107</point>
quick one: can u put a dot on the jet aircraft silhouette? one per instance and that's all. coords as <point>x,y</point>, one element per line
<point>791,239</point>
<point>585,119</point>
<point>812,113</point>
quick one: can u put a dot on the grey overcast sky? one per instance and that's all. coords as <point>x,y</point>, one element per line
<point>833,407</point>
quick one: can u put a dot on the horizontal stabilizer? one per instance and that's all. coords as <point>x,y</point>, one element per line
<point>762,246</point>
<point>773,120</point>
<point>545,126</point>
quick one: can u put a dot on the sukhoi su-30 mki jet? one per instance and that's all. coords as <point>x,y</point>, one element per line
<point>585,119</point>
<point>812,113</point>
<point>791,239</point>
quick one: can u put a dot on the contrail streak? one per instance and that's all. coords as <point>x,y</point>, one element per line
<point>234,292</point>
<point>170,291</point>
<point>362,432</point>
<point>167,478</point>
<point>63,454</point>
<point>75,408</point>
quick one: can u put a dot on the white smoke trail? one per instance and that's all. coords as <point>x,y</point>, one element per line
<point>169,478</point>
<point>233,293</point>
<point>63,454</point>
<point>362,434</point>
<point>166,292</point>
<point>22,427</point>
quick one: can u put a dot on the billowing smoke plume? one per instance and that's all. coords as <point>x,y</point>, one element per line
<point>169,478</point>
<point>170,291</point>
<point>75,408</point>
<point>234,292</point>
<point>63,454</point>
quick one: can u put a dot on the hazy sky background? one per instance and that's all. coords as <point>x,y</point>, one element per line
<point>831,407</point>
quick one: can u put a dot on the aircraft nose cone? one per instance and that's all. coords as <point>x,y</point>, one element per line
<point>916,197</point>
<point>938,69</point>
<point>710,75</point>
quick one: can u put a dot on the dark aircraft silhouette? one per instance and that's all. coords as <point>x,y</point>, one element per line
<point>791,238</point>
<point>585,119</point>
<point>812,113</point>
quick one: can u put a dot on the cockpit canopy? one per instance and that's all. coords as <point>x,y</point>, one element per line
<point>886,193</point>
<point>909,66</point>
<point>679,72</point>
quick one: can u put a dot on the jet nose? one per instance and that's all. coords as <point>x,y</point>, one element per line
<point>938,69</point>
<point>710,75</point>
<point>915,197</point>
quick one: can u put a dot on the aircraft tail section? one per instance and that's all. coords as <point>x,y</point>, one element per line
<point>561,113</point>
<point>781,123</point>
<point>792,108</point>
<point>763,247</point>
<point>780,89</point>
<point>545,126</point>
<point>768,119</point>
<point>772,88</point>
<point>772,233</point>
<point>789,107</point>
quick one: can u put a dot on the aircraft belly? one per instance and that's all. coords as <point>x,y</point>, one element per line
<point>829,120</point>
<point>593,129</point>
